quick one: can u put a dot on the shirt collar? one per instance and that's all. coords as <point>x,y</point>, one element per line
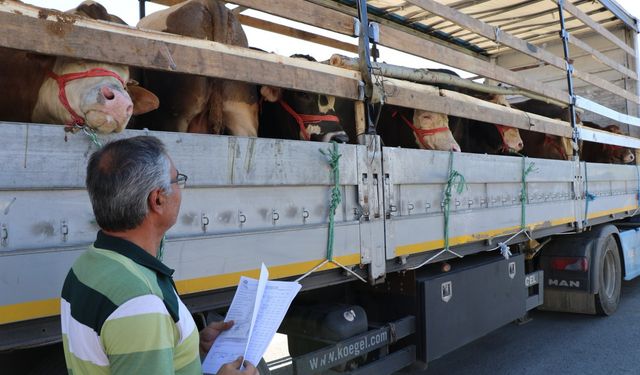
<point>131,251</point>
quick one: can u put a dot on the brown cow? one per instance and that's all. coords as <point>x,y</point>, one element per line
<point>60,90</point>
<point>200,104</point>
<point>602,153</point>
<point>546,146</point>
<point>404,127</point>
<point>485,138</point>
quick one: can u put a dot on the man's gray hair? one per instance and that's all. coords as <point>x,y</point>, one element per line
<point>120,177</point>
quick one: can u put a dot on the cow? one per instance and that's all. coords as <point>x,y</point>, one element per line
<point>290,114</point>
<point>486,138</point>
<point>541,145</point>
<point>603,153</point>
<point>77,93</point>
<point>199,104</point>
<point>416,128</point>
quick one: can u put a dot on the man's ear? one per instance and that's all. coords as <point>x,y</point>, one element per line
<point>156,200</point>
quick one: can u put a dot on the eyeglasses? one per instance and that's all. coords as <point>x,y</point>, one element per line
<point>181,180</point>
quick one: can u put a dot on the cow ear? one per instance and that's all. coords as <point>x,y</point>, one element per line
<point>143,100</point>
<point>270,93</point>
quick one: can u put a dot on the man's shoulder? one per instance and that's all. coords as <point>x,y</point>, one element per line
<point>112,275</point>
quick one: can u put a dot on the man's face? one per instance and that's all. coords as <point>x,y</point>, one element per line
<point>174,198</point>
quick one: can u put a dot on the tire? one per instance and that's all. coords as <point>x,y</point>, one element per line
<point>609,279</point>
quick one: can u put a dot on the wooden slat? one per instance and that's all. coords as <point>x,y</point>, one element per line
<point>60,34</point>
<point>296,33</point>
<point>393,38</point>
<point>595,26</point>
<point>489,32</point>
<point>332,16</point>
<point>305,12</point>
<point>602,57</point>
<point>507,39</point>
<point>456,104</point>
<point>166,2</point>
<point>590,78</point>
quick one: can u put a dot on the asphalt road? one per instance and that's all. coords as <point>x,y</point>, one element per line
<point>555,343</point>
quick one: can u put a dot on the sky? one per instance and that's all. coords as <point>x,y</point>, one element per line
<point>128,11</point>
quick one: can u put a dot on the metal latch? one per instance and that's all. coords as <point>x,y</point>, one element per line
<point>4,235</point>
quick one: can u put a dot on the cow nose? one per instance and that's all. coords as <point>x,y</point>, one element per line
<point>340,138</point>
<point>520,145</point>
<point>455,148</point>
<point>107,92</point>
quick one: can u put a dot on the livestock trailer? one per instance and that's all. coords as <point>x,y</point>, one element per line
<point>431,249</point>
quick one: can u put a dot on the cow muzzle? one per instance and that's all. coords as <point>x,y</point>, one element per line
<point>337,136</point>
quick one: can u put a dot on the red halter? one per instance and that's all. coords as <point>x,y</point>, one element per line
<point>503,129</point>
<point>62,81</point>
<point>419,133</point>
<point>549,141</point>
<point>303,120</point>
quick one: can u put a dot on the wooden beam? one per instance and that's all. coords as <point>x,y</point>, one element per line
<point>305,12</point>
<point>489,32</point>
<point>333,16</point>
<point>602,57</point>
<point>167,2</point>
<point>452,103</point>
<point>606,85</point>
<point>361,124</point>
<point>529,49</point>
<point>393,38</point>
<point>55,33</point>
<point>296,33</point>
<point>596,26</point>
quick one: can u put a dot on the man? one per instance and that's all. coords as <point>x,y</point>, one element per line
<point>120,311</point>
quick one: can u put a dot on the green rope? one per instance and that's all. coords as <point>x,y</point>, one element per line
<point>333,157</point>
<point>92,135</point>
<point>587,195</point>
<point>456,180</point>
<point>526,169</point>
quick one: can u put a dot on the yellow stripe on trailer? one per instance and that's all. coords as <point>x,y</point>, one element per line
<point>275,272</point>
<point>610,212</point>
<point>51,307</point>
<point>474,237</point>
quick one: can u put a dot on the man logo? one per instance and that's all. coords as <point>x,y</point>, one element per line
<point>564,283</point>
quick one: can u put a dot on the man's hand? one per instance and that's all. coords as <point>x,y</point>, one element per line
<point>209,334</point>
<point>233,368</point>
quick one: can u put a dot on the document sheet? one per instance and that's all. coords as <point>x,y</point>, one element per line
<point>257,309</point>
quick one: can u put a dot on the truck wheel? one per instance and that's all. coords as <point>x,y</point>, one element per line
<point>609,278</point>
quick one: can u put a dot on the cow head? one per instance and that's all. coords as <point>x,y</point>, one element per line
<point>431,130</point>
<point>617,154</point>
<point>98,95</point>
<point>314,113</point>
<point>556,147</point>
<point>79,92</point>
<point>510,137</point>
